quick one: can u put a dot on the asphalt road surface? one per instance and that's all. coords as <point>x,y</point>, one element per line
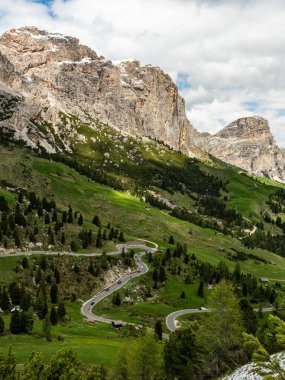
<point>142,268</point>
<point>88,306</point>
<point>172,324</point>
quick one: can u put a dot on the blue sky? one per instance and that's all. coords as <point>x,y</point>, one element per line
<point>226,56</point>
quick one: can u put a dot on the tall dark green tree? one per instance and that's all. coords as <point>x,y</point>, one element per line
<point>158,329</point>
<point>2,325</point>
<point>249,317</point>
<point>80,220</point>
<point>16,322</point>
<point>53,316</point>
<point>200,291</point>
<point>61,311</point>
<point>54,293</point>
<point>180,354</point>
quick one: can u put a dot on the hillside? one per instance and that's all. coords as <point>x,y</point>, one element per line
<point>95,155</point>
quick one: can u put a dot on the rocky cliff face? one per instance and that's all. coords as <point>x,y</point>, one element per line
<point>46,75</point>
<point>248,144</point>
<point>56,72</point>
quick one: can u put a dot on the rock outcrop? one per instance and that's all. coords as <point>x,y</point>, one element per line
<point>55,71</point>
<point>247,143</point>
<point>44,75</point>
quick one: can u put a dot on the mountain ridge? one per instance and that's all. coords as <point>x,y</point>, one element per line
<point>54,73</point>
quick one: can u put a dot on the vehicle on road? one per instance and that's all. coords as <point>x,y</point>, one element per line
<point>92,303</point>
<point>202,308</point>
<point>107,289</point>
<point>119,282</point>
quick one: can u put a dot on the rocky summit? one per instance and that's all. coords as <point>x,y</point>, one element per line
<point>43,75</point>
<point>248,144</point>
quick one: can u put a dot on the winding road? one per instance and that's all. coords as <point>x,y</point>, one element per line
<point>172,323</point>
<point>142,268</point>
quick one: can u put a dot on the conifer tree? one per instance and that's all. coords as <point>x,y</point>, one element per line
<point>54,293</point>
<point>158,329</point>
<point>201,289</point>
<point>61,311</point>
<point>2,325</point>
<point>53,316</point>
<point>47,328</point>
<point>80,220</point>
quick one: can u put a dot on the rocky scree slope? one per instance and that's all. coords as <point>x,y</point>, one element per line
<point>46,75</point>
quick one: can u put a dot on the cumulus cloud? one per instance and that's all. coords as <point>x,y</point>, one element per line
<point>226,56</point>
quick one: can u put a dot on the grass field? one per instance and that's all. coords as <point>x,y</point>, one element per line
<point>93,342</point>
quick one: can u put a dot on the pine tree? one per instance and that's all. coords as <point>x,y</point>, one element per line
<point>2,325</point>
<point>183,296</point>
<point>121,237</point>
<point>155,275</point>
<point>220,335</point>
<point>56,275</point>
<point>248,316</point>
<point>200,291</point>
<point>162,274</point>
<point>5,301</point>
<point>27,322</point>
<point>64,217</point>
<point>116,299</point>
<point>80,220</point>
<point>47,328</point>
<point>54,216</point>
<point>33,368</point>
<point>40,306</point>
<point>54,293</point>
<point>20,197</point>
<point>62,240</point>
<point>16,323</point>
<point>47,218</point>
<point>8,366</point>
<point>96,221</point>
<point>171,240</point>
<point>53,316</point>
<point>17,238</point>
<point>70,216</point>
<point>158,329</point>
<point>32,237</point>
<point>61,311</point>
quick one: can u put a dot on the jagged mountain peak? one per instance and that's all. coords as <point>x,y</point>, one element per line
<point>249,144</point>
<point>55,73</point>
<point>246,128</point>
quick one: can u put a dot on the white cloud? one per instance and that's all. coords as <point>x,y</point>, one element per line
<point>230,52</point>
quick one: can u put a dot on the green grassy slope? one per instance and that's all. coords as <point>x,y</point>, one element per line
<point>132,215</point>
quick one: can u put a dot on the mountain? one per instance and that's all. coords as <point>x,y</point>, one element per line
<point>44,76</point>
<point>247,143</point>
<point>55,72</point>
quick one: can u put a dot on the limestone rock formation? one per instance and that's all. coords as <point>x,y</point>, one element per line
<point>248,144</point>
<point>44,76</point>
<point>56,72</point>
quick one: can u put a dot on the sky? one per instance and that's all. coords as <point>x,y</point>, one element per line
<point>227,57</point>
